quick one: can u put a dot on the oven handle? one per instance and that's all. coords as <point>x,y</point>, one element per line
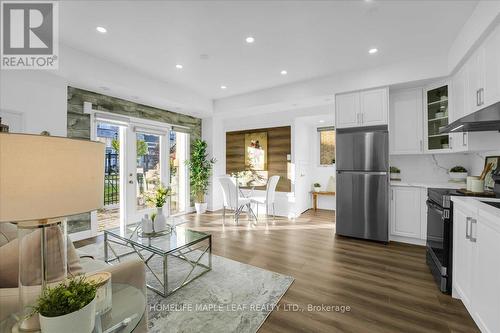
<point>432,205</point>
<point>443,212</point>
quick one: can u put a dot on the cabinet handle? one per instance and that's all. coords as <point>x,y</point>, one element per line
<point>481,96</point>
<point>392,194</point>
<point>362,118</point>
<point>477,97</point>
<point>464,139</point>
<point>421,145</point>
<point>357,118</point>
<point>473,239</point>
<point>467,221</point>
<point>450,139</point>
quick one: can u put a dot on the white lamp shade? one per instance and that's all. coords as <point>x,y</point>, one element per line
<point>43,177</point>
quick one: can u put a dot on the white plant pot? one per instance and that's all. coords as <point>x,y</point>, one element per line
<point>147,225</point>
<point>201,207</point>
<point>160,223</point>
<point>458,176</point>
<point>395,175</point>
<point>81,321</point>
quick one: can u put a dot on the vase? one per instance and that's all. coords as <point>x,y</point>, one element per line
<point>160,223</point>
<point>81,321</point>
<point>147,224</point>
<point>201,207</point>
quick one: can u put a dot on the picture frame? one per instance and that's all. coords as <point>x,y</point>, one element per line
<point>488,180</point>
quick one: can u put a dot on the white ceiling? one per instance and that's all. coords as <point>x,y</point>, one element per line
<point>307,38</point>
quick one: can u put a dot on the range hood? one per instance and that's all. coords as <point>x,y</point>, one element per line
<point>487,119</point>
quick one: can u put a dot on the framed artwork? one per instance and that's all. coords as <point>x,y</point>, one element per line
<point>256,151</point>
<point>488,181</point>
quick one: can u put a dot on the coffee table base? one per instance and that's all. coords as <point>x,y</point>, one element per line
<point>181,253</point>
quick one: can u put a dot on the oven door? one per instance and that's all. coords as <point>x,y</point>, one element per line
<point>438,243</point>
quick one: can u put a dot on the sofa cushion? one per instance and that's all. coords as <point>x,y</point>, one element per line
<point>9,259</point>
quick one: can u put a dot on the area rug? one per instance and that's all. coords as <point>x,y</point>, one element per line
<point>232,297</point>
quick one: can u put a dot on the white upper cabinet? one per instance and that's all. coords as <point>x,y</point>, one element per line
<point>459,106</point>
<point>374,108</point>
<point>347,110</point>
<point>492,68</point>
<point>405,125</point>
<point>361,108</point>
<point>476,71</point>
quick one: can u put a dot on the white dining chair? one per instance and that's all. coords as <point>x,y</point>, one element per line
<point>269,198</point>
<point>232,198</point>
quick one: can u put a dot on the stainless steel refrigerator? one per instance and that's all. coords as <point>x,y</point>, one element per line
<point>363,183</point>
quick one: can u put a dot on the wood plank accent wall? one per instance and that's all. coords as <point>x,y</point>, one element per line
<point>78,126</point>
<point>279,146</point>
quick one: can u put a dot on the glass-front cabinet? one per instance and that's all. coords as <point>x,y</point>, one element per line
<point>436,118</point>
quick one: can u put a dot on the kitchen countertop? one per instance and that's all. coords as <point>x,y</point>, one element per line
<point>476,203</point>
<point>452,185</point>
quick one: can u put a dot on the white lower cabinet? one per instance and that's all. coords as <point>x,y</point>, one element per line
<point>406,221</point>
<point>476,264</point>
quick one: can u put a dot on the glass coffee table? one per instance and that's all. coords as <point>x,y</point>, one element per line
<point>189,247</point>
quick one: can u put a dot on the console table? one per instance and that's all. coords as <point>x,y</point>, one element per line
<point>315,197</point>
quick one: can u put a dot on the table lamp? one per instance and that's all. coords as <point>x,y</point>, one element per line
<point>43,179</point>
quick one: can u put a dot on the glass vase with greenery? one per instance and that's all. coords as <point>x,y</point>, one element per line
<point>200,169</point>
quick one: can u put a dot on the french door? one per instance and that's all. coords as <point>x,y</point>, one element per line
<point>140,156</point>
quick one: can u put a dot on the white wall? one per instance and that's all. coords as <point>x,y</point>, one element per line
<point>40,96</point>
<point>288,204</point>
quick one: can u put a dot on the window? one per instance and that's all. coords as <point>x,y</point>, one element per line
<point>326,146</point>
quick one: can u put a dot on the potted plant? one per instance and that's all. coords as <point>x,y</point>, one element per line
<point>458,173</point>
<point>200,168</point>
<point>316,187</point>
<point>67,307</point>
<point>158,200</point>
<point>395,173</point>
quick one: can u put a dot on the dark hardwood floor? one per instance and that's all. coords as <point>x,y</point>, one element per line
<point>388,288</point>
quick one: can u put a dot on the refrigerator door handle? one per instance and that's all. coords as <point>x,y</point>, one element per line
<point>381,173</point>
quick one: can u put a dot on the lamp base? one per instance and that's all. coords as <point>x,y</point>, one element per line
<point>42,260</point>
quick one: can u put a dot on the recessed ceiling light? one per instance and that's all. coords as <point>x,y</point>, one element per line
<point>223,87</point>
<point>322,121</point>
<point>179,66</point>
<point>250,39</point>
<point>373,51</point>
<point>284,72</point>
<point>102,30</point>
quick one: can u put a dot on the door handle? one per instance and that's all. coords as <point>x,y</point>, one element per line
<point>467,222</point>
<point>450,139</point>
<point>472,239</point>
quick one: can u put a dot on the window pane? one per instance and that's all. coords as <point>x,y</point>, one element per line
<point>327,147</point>
<point>148,167</point>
